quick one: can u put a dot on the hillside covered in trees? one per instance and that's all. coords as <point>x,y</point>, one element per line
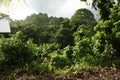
<point>51,46</point>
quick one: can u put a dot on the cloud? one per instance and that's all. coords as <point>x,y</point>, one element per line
<point>59,8</point>
<point>47,6</point>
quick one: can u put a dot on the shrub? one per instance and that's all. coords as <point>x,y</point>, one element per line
<point>60,62</point>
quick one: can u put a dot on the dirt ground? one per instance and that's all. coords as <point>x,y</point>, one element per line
<point>103,74</point>
<point>99,74</point>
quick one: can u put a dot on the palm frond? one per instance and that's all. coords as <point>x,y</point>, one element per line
<point>6,3</point>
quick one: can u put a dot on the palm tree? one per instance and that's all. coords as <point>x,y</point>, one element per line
<point>7,2</point>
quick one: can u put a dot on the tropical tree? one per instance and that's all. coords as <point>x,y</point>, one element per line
<point>103,6</point>
<point>82,17</point>
<point>64,35</point>
<point>106,39</point>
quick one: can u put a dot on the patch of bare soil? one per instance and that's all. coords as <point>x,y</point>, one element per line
<point>103,74</point>
<point>100,74</point>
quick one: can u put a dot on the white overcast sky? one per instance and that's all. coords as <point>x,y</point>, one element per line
<point>59,8</point>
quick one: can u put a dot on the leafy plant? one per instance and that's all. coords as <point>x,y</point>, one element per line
<point>16,52</point>
<point>60,62</point>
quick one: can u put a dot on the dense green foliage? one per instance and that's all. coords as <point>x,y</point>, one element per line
<point>41,44</point>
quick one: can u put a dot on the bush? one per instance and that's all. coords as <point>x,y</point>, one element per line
<point>60,62</point>
<point>41,68</point>
<point>16,52</point>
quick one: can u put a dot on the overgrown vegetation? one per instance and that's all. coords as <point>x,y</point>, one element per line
<point>43,45</point>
